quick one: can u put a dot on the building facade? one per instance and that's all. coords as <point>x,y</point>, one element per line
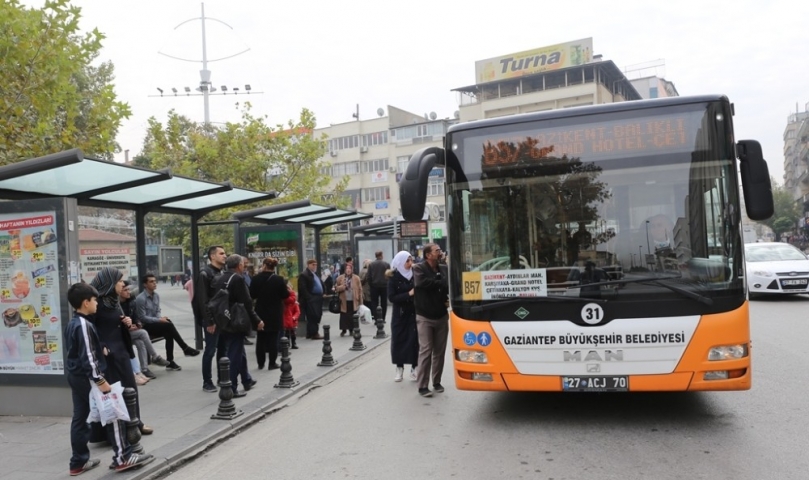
<point>796,158</point>
<point>374,154</point>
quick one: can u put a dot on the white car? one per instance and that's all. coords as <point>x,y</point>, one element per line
<point>776,268</point>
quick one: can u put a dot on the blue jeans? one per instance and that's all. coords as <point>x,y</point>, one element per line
<point>213,346</point>
<point>234,344</point>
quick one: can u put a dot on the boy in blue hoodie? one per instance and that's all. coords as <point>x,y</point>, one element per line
<point>86,364</point>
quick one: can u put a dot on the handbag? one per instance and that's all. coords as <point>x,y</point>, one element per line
<point>334,303</point>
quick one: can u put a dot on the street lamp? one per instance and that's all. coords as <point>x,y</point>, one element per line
<point>648,250</point>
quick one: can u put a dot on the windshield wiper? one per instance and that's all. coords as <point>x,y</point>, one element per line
<point>657,282</point>
<point>550,298</point>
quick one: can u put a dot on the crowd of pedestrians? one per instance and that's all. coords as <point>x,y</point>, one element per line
<point>110,336</point>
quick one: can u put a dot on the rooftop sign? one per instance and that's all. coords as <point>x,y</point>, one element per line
<point>543,59</point>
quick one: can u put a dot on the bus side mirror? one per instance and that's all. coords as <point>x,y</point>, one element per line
<point>755,180</point>
<point>413,185</point>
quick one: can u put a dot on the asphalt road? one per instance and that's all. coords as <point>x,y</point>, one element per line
<point>360,424</point>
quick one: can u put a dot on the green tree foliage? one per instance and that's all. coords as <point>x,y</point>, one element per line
<point>786,211</point>
<point>52,95</point>
<point>250,154</point>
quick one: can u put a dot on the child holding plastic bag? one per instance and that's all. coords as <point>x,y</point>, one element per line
<point>85,364</point>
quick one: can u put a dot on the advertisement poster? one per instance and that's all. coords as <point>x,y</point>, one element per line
<point>31,334</point>
<point>283,245</point>
<point>94,259</point>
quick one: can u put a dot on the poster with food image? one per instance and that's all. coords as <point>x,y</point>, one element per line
<point>31,332</point>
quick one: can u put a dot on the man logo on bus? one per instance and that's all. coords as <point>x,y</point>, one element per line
<point>594,355</point>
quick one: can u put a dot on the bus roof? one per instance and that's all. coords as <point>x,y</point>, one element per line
<point>586,110</point>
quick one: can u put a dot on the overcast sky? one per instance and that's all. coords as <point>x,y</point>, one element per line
<point>331,56</point>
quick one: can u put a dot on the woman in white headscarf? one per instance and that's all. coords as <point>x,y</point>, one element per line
<point>404,342</point>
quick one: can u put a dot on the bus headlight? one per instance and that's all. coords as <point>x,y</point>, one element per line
<point>472,356</point>
<point>727,352</point>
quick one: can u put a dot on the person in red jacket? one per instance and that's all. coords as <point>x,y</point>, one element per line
<point>291,314</point>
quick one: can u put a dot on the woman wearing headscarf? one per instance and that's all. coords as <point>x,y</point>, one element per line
<point>113,331</point>
<point>350,289</point>
<point>404,338</point>
<point>269,290</point>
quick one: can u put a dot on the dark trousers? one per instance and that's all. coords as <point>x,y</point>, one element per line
<point>213,346</point>
<point>168,331</point>
<point>234,344</point>
<point>79,429</point>
<point>379,294</point>
<point>266,344</point>
<point>314,312</point>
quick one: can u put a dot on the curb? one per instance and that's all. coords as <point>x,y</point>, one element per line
<point>200,440</point>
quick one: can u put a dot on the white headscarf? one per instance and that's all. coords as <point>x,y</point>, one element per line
<point>399,262</point>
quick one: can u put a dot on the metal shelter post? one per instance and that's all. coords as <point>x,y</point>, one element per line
<point>317,243</point>
<point>140,243</point>
<point>195,268</point>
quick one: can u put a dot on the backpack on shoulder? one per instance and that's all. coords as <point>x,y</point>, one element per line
<point>228,317</point>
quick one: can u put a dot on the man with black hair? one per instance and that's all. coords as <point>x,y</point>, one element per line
<point>432,320</point>
<point>203,292</point>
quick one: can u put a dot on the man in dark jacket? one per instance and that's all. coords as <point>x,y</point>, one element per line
<point>432,321</point>
<point>204,291</point>
<point>379,284</point>
<point>234,342</point>
<point>310,298</point>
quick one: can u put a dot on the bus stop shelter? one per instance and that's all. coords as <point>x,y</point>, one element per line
<point>64,181</point>
<point>302,212</point>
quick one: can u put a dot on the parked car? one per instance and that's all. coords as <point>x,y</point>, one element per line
<point>775,268</point>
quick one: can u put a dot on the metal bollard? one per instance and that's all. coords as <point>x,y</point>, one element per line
<point>327,360</point>
<point>379,313</point>
<point>227,410</point>
<point>357,345</point>
<point>286,380</point>
<point>133,434</point>
<point>380,324</point>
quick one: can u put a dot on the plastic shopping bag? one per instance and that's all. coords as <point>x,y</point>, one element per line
<point>110,406</point>
<point>365,314</point>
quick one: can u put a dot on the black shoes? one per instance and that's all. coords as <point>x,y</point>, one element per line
<point>438,388</point>
<point>273,366</point>
<point>190,352</point>
<point>210,388</point>
<point>247,341</point>
<point>91,464</point>
<point>239,393</point>
<point>425,392</point>
<point>249,385</point>
<point>173,366</point>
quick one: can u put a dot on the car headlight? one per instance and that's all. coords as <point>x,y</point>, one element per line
<point>762,273</point>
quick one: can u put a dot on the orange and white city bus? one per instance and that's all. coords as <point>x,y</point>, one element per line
<point>598,248</point>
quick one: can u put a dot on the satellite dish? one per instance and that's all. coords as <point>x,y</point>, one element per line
<point>380,112</point>
<point>457,114</point>
<point>433,116</point>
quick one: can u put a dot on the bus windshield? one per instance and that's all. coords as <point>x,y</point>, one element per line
<point>632,207</point>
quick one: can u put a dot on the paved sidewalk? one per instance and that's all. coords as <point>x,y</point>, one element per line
<point>175,405</point>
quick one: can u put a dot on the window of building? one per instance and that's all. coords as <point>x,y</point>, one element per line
<point>508,89</point>
<point>589,75</point>
<point>375,194</point>
<point>402,163</point>
<point>378,165</point>
<point>653,92</point>
<point>555,80</point>
<point>377,138</point>
<point>435,188</point>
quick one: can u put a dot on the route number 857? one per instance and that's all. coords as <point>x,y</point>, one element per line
<point>471,287</point>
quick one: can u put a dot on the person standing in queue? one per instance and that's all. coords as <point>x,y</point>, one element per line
<point>432,320</point>
<point>404,336</point>
<point>310,298</point>
<point>270,291</point>
<point>349,288</point>
<point>203,292</point>
<point>233,280</point>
